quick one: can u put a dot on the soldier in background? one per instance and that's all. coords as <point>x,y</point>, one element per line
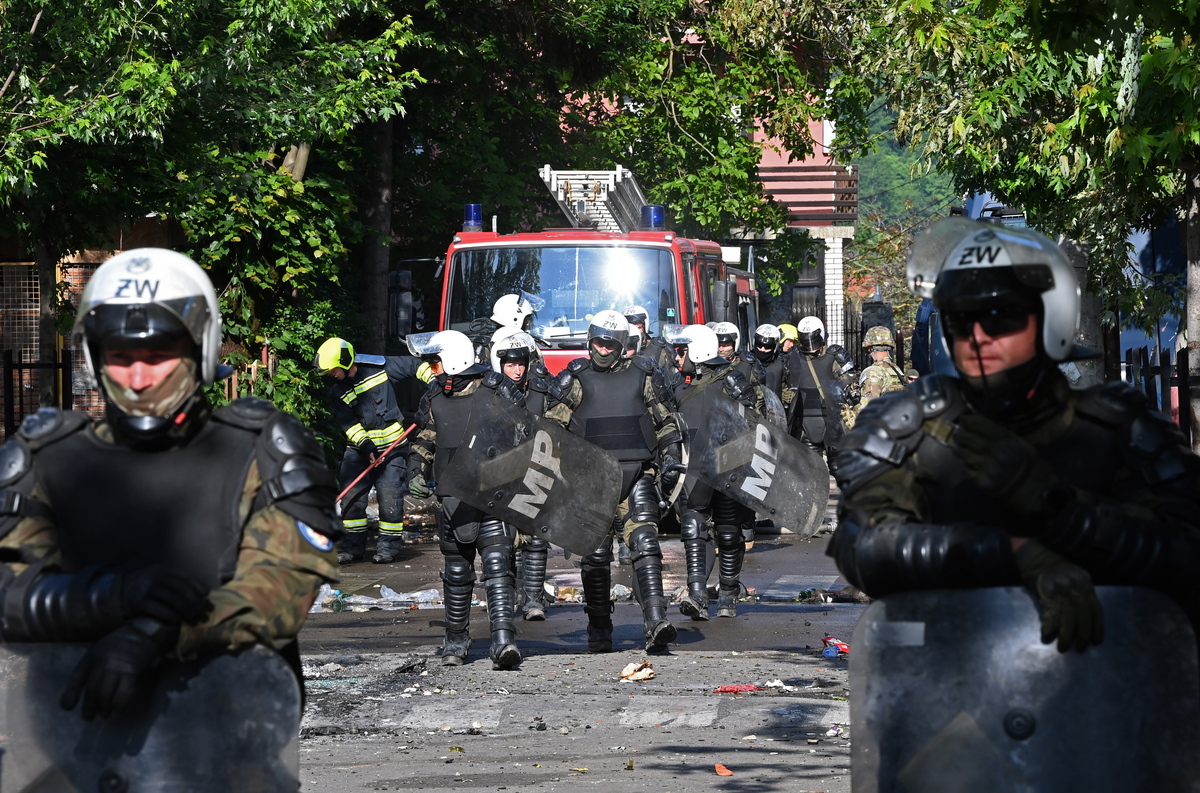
<point>364,405</point>
<point>882,376</point>
<point>463,531</point>
<point>815,412</point>
<point>625,406</point>
<point>167,530</point>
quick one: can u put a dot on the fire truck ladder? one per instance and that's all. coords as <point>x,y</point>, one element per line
<point>604,200</point>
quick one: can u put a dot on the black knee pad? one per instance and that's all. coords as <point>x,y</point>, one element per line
<point>691,527</point>
<point>458,572</point>
<point>643,542</point>
<point>728,537</point>
<point>643,501</point>
<point>537,544</point>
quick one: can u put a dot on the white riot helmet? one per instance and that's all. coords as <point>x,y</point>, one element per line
<point>146,296</point>
<point>637,315</point>
<point>767,335</point>
<point>700,340</point>
<point>726,332</point>
<point>512,310</point>
<point>515,345</point>
<point>981,272</point>
<point>810,333</point>
<point>452,348</point>
<point>633,345</point>
<point>611,327</point>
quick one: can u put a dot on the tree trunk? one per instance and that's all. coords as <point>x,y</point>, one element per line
<point>47,270</point>
<point>1192,221</point>
<point>377,246</point>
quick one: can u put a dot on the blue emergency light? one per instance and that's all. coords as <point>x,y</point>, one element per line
<point>654,217</point>
<point>472,217</point>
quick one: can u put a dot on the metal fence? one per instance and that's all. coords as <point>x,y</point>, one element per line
<point>1153,373</point>
<point>22,385</point>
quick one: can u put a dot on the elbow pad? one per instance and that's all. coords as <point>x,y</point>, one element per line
<point>897,556</point>
<point>61,607</point>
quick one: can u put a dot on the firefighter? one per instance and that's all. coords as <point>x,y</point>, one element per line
<point>364,405</point>
<point>624,405</point>
<point>167,530</point>
<point>463,530</point>
<point>788,335</point>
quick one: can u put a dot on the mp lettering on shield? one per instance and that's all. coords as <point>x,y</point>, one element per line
<point>537,481</point>
<point>762,464</point>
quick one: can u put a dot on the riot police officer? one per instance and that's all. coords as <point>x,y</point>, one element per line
<point>816,411</point>
<point>463,531</point>
<point>882,376</point>
<point>712,377</point>
<point>653,347</point>
<point>364,406</point>
<point>729,339</point>
<point>1004,476</point>
<point>514,355</point>
<point>624,405</point>
<point>769,353</point>
<point>168,529</point>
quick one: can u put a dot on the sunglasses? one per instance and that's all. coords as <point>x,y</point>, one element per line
<point>995,322</point>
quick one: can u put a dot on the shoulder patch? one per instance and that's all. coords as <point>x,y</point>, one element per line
<point>579,364</point>
<point>314,538</point>
<point>249,413</point>
<point>373,360</point>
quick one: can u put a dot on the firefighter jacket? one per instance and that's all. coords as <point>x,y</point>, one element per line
<point>364,405</point>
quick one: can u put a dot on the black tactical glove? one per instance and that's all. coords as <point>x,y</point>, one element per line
<point>164,595</point>
<point>672,469</point>
<point>107,676</point>
<point>367,448</point>
<point>418,488</point>
<point>1071,612</point>
<point>1005,466</point>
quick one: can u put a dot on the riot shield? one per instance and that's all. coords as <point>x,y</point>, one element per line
<point>532,473</point>
<point>955,693</point>
<point>755,462</point>
<point>227,723</point>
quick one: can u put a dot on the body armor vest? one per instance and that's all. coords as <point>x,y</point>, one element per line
<point>695,397</point>
<point>774,375</point>
<point>816,404</point>
<point>613,414</point>
<point>450,415</point>
<point>1085,455</point>
<point>121,509</point>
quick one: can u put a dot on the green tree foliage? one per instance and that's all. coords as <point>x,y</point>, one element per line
<point>1092,142</point>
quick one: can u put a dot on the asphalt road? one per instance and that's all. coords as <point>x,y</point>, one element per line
<point>383,713</point>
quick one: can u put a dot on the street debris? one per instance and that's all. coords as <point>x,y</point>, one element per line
<point>637,671</point>
<point>722,770</point>
<point>737,688</point>
<point>621,594</point>
<point>836,731</point>
<point>779,684</point>
<point>330,599</point>
<point>834,647</point>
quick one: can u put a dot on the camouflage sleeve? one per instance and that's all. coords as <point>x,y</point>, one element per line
<point>563,405</point>
<point>423,447</point>
<point>897,493</point>
<point>33,539</point>
<point>665,425</point>
<point>278,573</point>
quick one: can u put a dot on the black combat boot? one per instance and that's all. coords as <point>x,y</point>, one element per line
<point>597,594</point>
<point>387,547</point>
<point>352,547</point>
<point>533,579</point>
<point>647,567</point>
<point>733,551</point>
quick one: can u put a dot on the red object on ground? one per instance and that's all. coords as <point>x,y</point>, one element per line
<point>737,688</point>
<point>722,770</point>
<point>838,643</point>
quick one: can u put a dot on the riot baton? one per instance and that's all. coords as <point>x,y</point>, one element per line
<point>378,459</point>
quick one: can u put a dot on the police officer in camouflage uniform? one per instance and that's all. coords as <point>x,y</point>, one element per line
<point>882,376</point>
<point>514,355</point>
<point>624,405</point>
<point>729,339</point>
<point>1003,475</point>
<point>815,412</point>
<point>462,386</point>
<point>168,529</point>
<point>653,347</point>
<point>700,503</point>
<point>364,406</point>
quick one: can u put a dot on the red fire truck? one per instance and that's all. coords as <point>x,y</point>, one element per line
<point>598,265</point>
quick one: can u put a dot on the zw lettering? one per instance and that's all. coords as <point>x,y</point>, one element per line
<point>758,485</point>
<point>141,288</point>
<point>537,482</point>
<point>978,255</point>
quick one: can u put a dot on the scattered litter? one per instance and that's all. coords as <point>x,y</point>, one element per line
<point>836,731</point>
<point>737,688</point>
<point>568,594</point>
<point>621,593</point>
<point>837,646</point>
<point>410,664</point>
<point>330,599</point>
<point>564,730</point>
<point>541,726</point>
<point>629,764</point>
<point>581,769</point>
<point>779,684</point>
<point>814,741</point>
<point>637,671</point>
<point>502,691</point>
<point>750,738</point>
<point>722,770</point>
<point>458,749</point>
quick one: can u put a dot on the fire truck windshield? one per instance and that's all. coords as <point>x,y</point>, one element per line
<point>574,281</point>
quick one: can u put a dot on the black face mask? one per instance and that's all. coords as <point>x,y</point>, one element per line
<point>603,361</point>
<point>1017,395</point>
<point>764,356</point>
<point>452,384</point>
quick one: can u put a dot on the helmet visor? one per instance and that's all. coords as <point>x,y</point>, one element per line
<point>810,342</point>
<point>141,325</point>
